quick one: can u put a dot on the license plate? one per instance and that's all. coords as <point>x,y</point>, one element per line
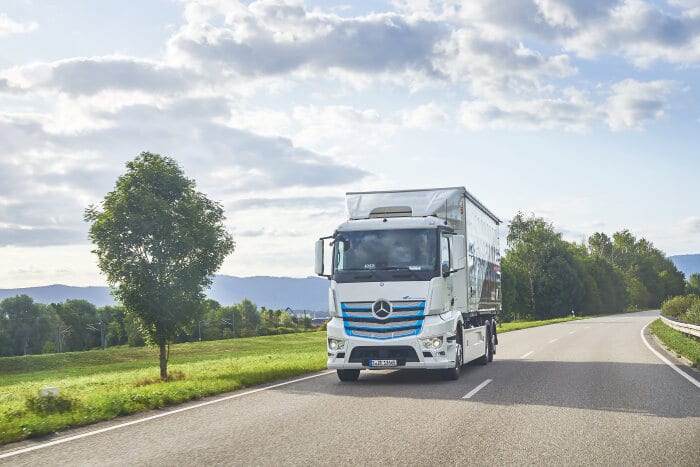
<point>382,363</point>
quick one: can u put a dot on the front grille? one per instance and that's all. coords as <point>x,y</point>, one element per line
<point>406,319</point>
<point>402,354</point>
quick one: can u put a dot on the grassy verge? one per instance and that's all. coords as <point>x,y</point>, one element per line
<point>100,385</point>
<point>677,342</point>
<point>517,325</point>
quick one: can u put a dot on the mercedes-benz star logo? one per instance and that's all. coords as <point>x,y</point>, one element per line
<point>381,309</point>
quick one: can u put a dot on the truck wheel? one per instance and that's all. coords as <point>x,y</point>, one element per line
<point>452,374</point>
<point>348,375</point>
<point>488,350</point>
<point>494,339</point>
<point>492,346</point>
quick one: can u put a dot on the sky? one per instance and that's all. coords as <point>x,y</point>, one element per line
<point>584,113</point>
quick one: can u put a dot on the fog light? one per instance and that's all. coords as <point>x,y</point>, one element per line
<point>432,342</point>
<point>335,344</point>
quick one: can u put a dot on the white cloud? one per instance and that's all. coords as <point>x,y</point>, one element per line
<point>642,32</point>
<point>48,179</point>
<point>630,105</point>
<point>469,55</point>
<point>277,37</point>
<point>534,114</point>
<point>691,225</point>
<point>342,130</point>
<point>9,26</point>
<point>633,103</point>
<point>91,75</point>
<point>425,116</point>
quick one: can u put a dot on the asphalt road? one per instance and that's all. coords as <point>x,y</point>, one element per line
<point>577,393</point>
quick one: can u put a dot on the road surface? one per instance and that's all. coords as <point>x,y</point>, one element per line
<point>576,393</point>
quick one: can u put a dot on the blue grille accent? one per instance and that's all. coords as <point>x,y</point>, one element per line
<point>406,319</point>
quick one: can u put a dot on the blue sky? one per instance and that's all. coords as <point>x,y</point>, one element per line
<point>585,113</point>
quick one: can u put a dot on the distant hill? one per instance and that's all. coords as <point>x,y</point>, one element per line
<point>310,293</point>
<point>689,264</point>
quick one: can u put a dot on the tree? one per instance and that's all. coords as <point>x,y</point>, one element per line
<point>539,254</point>
<point>80,317</point>
<point>693,284</point>
<point>250,317</point>
<point>158,241</point>
<point>25,327</point>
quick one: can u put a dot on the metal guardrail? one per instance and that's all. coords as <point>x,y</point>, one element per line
<point>687,328</point>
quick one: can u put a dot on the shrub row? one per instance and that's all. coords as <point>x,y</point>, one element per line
<point>684,308</point>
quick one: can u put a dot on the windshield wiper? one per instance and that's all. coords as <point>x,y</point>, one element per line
<point>395,268</point>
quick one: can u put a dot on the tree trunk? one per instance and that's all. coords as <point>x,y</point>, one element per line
<point>532,293</point>
<point>163,361</point>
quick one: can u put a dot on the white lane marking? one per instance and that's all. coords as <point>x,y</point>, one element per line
<point>553,340</point>
<point>153,417</point>
<point>572,332</point>
<point>665,360</point>
<point>528,354</point>
<point>476,389</point>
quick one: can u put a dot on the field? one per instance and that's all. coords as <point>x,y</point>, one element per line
<point>100,385</point>
<point>103,384</point>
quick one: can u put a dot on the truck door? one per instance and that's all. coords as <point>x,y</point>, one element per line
<point>446,267</point>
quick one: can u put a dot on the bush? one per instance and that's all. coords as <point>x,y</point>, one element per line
<point>48,405</point>
<point>693,314</point>
<point>684,308</point>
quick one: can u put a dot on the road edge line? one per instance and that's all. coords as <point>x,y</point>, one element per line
<point>666,360</point>
<point>36,447</point>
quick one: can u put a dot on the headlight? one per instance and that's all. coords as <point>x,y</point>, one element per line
<point>335,344</point>
<point>432,342</point>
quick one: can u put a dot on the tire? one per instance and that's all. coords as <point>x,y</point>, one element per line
<point>452,374</point>
<point>348,375</point>
<point>492,346</point>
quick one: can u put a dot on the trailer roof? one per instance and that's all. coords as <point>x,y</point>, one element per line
<point>464,191</point>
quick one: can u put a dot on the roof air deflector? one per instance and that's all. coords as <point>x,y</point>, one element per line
<point>391,211</point>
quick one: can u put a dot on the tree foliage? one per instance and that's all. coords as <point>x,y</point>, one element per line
<point>158,241</point>
<point>544,276</point>
<point>693,284</point>
<point>33,328</point>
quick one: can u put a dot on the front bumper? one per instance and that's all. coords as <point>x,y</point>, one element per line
<point>408,351</point>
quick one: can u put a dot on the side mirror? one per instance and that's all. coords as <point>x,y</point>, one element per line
<point>318,264</point>
<point>445,269</point>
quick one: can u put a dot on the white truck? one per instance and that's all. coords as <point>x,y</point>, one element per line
<point>414,283</point>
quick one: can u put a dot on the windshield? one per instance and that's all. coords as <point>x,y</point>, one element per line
<point>386,250</point>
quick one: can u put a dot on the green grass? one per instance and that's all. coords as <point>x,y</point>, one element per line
<point>677,342</point>
<point>100,385</point>
<point>517,325</point>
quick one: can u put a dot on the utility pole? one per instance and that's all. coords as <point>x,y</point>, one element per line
<point>103,337</point>
<point>59,334</point>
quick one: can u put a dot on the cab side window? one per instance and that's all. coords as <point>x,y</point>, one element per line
<point>445,264</point>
